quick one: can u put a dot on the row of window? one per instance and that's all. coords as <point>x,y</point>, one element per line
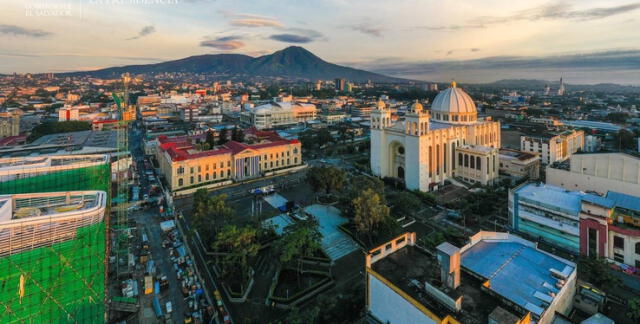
<point>207,177</point>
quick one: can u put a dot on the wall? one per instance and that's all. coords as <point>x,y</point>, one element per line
<point>583,182</point>
<point>389,307</point>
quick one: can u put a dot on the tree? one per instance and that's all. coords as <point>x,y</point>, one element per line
<point>211,140</point>
<point>239,244</point>
<point>237,135</point>
<point>356,186</point>
<point>301,239</point>
<point>624,140</point>
<point>617,117</point>
<point>369,212</point>
<point>633,309</point>
<point>210,212</point>
<point>404,204</point>
<point>325,178</point>
<point>223,137</point>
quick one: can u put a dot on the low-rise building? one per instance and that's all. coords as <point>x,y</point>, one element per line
<point>279,114</point>
<point>553,147</point>
<point>481,282</point>
<point>598,172</point>
<point>186,167</point>
<point>547,213</point>
<point>610,228</point>
<point>75,143</point>
<point>519,165</point>
<point>477,164</point>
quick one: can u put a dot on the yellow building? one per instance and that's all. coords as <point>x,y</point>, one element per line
<point>186,167</point>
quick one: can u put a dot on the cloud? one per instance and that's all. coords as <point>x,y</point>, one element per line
<point>367,29</point>
<point>255,22</point>
<point>250,20</point>
<point>291,38</point>
<point>226,43</point>
<point>21,31</point>
<point>474,49</point>
<point>605,60</point>
<point>559,11</point>
<point>146,30</point>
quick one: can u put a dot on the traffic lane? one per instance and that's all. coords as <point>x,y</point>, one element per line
<point>163,263</point>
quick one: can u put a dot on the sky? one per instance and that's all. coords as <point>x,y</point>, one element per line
<point>585,41</point>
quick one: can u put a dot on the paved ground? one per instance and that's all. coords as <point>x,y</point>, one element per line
<point>334,242</point>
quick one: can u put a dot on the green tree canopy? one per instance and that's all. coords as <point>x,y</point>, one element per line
<point>326,178</point>
<point>239,243</point>
<point>370,213</point>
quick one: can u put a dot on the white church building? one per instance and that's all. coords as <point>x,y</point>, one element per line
<point>430,146</point>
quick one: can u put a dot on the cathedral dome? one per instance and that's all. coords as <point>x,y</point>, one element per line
<point>455,106</point>
<point>416,107</point>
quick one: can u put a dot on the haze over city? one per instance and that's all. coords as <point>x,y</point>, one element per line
<point>426,40</point>
<point>320,162</point>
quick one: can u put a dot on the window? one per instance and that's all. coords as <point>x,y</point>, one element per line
<point>295,150</point>
<point>192,169</point>
<point>466,160</point>
<point>191,179</point>
<point>228,164</point>
<point>199,178</point>
<point>206,177</point>
<point>181,170</point>
<point>400,240</point>
<point>638,248</point>
<point>618,242</point>
<point>199,168</point>
<point>228,172</point>
<point>387,247</point>
<point>221,174</point>
<point>618,257</point>
<point>459,158</point>
<point>180,182</point>
<point>473,163</point>
<point>478,163</point>
<point>295,160</point>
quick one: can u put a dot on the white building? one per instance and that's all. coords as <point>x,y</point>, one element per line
<point>554,147</point>
<point>278,114</point>
<point>422,149</point>
<point>599,172</point>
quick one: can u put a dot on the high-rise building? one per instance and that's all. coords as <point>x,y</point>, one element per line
<point>341,84</point>
<point>9,124</point>
<point>56,273</point>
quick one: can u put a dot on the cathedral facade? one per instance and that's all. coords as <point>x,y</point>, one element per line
<point>431,146</point>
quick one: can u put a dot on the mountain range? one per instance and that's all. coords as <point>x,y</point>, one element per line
<point>293,62</point>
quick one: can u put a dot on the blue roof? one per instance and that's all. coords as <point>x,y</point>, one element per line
<point>517,272</point>
<point>600,201</point>
<point>625,201</point>
<point>552,197</point>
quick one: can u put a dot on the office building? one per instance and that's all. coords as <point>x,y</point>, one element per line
<point>519,165</point>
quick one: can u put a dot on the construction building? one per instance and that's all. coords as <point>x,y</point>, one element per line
<point>52,238</point>
<point>52,257</point>
<point>495,278</point>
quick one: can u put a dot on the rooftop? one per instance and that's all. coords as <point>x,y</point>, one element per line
<point>38,163</point>
<point>518,272</point>
<point>24,206</point>
<point>515,154</point>
<point>521,278</point>
<point>88,142</point>
<point>552,197</point>
<point>409,267</point>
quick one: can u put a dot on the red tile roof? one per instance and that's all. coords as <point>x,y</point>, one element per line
<point>178,147</point>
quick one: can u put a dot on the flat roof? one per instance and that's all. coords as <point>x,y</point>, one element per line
<point>410,265</point>
<point>516,271</point>
<point>552,197</point>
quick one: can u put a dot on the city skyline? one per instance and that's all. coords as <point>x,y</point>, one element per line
<point>425,40</point>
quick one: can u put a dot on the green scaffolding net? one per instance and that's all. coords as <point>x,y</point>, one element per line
<point>62,282</point>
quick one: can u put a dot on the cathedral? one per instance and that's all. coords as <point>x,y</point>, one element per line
<point>430,146</point>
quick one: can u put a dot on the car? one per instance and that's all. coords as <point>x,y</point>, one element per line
<point>227,319</point>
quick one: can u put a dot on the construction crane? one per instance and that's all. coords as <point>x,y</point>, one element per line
<point>119,228</point>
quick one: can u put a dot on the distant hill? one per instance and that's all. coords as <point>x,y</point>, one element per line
<point>532,84</point>
<point>293,62</point>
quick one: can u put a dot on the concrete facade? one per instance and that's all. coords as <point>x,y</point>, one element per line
<point>553,148</point>
<point>599,172</point>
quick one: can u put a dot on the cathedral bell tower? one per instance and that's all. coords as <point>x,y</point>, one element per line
<point>417,120</point>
